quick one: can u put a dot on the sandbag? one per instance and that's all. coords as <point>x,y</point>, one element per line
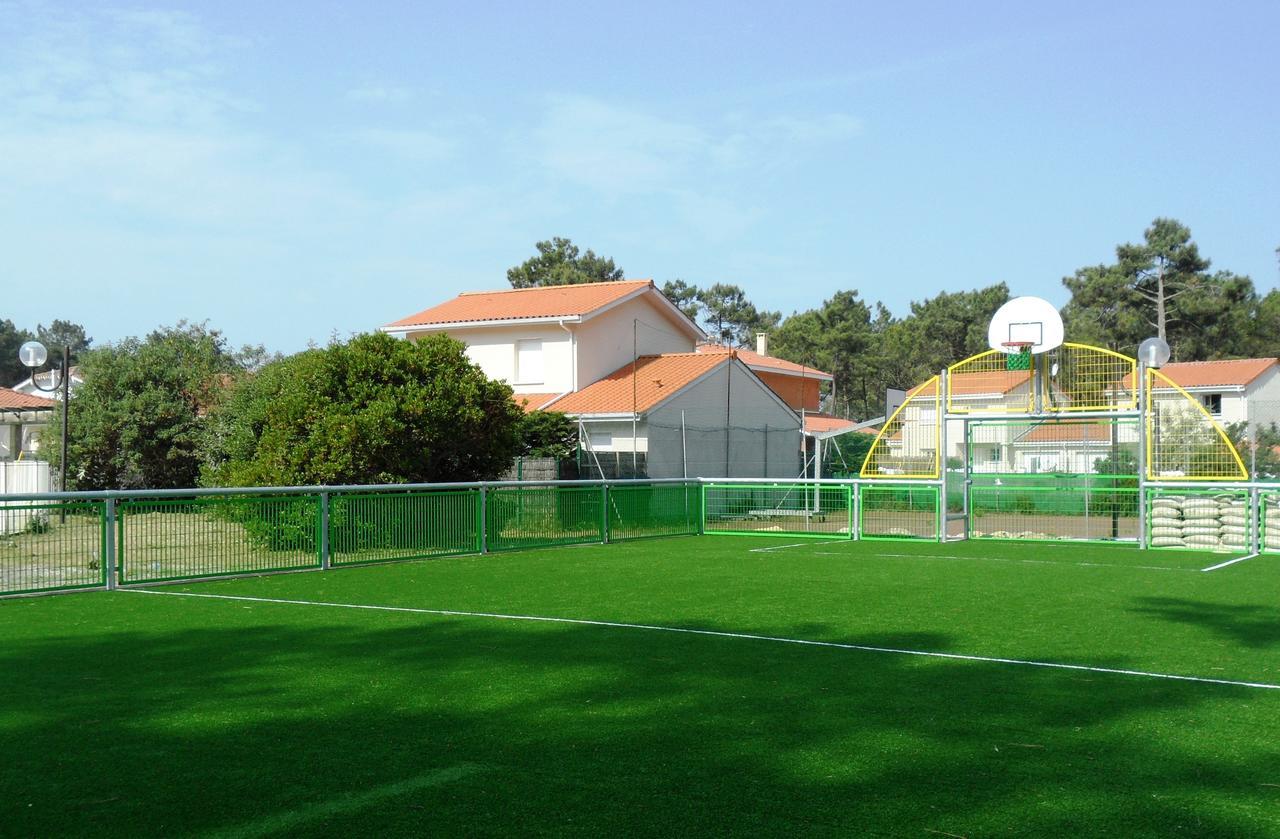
<point>1156,530</point>
<point>1202,540</point>
<point>1200,530</point>
<point>1167,542</point>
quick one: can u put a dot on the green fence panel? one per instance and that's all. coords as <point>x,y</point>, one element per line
<point>1091,510</point>
<point>538,516</point>
<point>175,539</point>
<point>782,509</point>
<point>898,511</point>
<point>641,511</point>
<point>51,546</point>
<point>1195,519</point>
<point>381,526</point>
<point>1269,521</point>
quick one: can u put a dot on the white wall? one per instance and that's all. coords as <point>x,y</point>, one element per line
<point>604,344</point>
<point>763,437</point>
<point>17,478</point>
<point>1263,399</point>
<point>605,341</point>
<point>493,348</point>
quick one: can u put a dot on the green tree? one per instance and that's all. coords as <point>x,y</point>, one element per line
<point>138,420</point>
<point>684,295</point>
<point>11,338</point>
<point>559,262</point>
<point>58,334</point>
<point>372,410</point>
<point>1163,286</point>
<point>548,434</point>
<point>730,318</point>
<point>63,333</point>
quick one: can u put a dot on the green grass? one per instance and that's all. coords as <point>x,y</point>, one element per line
<point>126,713</point>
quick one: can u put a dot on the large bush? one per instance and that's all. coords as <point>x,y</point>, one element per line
<point>138,420</point>
<point>372,410</point>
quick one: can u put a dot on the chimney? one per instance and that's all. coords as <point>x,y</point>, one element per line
<point>762,343</point>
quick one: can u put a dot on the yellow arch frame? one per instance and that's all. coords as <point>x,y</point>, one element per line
<point>1240,473</point>
<point>893,425</point>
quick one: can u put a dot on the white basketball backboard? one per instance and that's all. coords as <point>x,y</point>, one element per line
<point>1025,320</point>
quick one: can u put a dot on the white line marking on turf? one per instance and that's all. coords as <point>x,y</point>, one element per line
<point>1230,562</point>
<point>778,547</point>
<point>714,633</point>
<point>1007,559</point>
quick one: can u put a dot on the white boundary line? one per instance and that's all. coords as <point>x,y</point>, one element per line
<point>1231,562</point>
<point>772,548</point>
<point>1028,561</point>
<point>716,634</point>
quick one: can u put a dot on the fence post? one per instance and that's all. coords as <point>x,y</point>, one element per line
<point>482,522</point>
<point>109,543</point>
<point>1257,536</point>
<point>702,508</point>
<point>604,513</point>
<point>326,561</point>
<point>853,510</point>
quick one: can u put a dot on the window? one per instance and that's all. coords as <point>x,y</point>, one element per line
<point>993,456</point>
<point>529,361</point>
<point>1213,403</point>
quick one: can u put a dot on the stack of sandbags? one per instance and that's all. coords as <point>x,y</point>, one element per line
<point>1201,527</point>
<point>1167,522</point>
<point>1233,520</point>
<point>1271,515</point>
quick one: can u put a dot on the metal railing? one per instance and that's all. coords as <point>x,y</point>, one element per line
<point>100,540</point>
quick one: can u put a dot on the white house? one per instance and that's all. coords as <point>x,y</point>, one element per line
<point>626,363</point>
<point>22,416</point>
<point>1232,390</point>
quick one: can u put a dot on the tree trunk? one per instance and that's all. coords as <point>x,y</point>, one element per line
<point>1160,301</point>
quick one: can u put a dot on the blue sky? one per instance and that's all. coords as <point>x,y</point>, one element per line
<point>292,170</point>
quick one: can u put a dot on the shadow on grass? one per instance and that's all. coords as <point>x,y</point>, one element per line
<point>1252,625</point>
<point>314,723</point>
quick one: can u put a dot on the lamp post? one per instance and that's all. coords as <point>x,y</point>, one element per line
<point>33,355</point>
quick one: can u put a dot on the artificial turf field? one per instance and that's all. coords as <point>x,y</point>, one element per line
<point>149,713</point>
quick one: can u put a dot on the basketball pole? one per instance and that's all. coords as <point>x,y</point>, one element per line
<point>1140,383</point>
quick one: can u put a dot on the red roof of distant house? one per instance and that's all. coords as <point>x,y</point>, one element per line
<point>561,301</point>
<point>1233,372</point>
<point>11,399</point>
<point>1072,432</point>
<point>756,361</point>
<point>824,423</point>
<point>533,401</point>
<point>991,381</point>
<point>656,378</point>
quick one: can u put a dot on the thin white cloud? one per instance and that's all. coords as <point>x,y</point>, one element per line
<point>419,146</point>
<point>380,94</point>
<point>621,150</point>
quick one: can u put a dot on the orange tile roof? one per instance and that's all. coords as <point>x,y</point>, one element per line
<point>822,423</point>
<point>656,378</point>
<point>993,381</point>
<point>13,400</point>
<point>558,301</point>
<point>1074,432</point>
<point>1234,372</point>
<point>755,359</point>
<point>532,401</point>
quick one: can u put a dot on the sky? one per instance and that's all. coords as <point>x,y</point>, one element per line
<point>293,171</point>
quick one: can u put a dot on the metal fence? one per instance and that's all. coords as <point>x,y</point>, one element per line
<point>106,539</point>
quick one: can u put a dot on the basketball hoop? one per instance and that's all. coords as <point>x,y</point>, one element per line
<point>1018,354</point>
